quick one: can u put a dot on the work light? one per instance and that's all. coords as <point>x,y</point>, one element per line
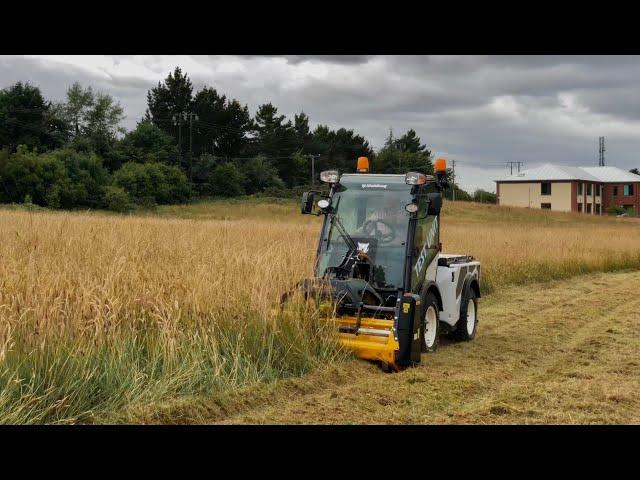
<point>330,176</point>
<point>415,178</point>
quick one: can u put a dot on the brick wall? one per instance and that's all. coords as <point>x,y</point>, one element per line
<point>620,199</point>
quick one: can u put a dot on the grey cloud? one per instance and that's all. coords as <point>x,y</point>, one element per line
<point>332,59</point>
<point>449,101</point>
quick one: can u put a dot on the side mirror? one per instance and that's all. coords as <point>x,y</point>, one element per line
<point>441,177</point>
<point>435,203</point>
<point>306,206</point>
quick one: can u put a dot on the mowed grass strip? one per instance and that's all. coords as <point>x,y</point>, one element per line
<point>558,353</point>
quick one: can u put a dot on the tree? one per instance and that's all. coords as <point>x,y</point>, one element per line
<point>169,98</point>
<point>94,119</point>
<point>79,102</point>
<point>304,136</point>
<point>635,170</point>
<point>338,149</point>
<point>27,119</point>
<point>147,143</point>
<point>103,123</point>
<point>275,139</point>
<point>273,136</point>
<point>222,126</point>
<point>410,142</point>
<point>460,193</point>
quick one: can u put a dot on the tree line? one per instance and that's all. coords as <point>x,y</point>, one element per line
<point>75,154</point>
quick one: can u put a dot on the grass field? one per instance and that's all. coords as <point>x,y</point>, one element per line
<point>166,315</point>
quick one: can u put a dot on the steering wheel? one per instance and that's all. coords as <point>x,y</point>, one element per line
<point>371,227</point>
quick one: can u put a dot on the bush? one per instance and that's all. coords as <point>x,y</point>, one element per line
<point>616,210</point>
<point>483,196</point>
<point>62,178</point>
<point>84,182</point>
<point>259,175</point>
<point>153,183</point>
<point>227,181</point>
<point>28,173</point>
<point>117,199</point>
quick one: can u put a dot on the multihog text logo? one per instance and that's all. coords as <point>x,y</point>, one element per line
<point>373,185</point>
<point>427,245</point>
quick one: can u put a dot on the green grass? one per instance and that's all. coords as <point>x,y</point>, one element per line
<point>75,380</point>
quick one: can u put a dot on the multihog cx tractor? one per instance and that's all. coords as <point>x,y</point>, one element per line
<point>379,265</point>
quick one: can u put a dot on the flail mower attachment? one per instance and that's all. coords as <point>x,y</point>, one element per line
<point>388,335</point>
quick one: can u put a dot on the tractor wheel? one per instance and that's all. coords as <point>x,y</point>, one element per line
<point>468,322</point>
<point>430,328</point>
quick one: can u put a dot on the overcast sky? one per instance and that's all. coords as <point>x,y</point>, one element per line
<point>480,111</point>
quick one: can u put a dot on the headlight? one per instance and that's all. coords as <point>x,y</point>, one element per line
<point>323,203</point>
<point>330,176</point>
<point>411,207</point>
<point>415,178</point>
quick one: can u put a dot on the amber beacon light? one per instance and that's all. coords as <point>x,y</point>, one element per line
<point>440,165</point>
<point>363,165</point>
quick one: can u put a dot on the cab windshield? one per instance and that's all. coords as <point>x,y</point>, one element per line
<point>373,215</point>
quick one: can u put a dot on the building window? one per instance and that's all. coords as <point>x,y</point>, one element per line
<point>545,206</point>
<point>597,190</point>
<point>588,208</point>
<point>615,191</point>
<point>588,189</point>
<point>580,189</point>
<point>545,188</point>
<point>580,207</point>
<point>597,209</point>
<point>628,190</point>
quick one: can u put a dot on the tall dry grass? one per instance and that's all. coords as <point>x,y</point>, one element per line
<point>101,312</point>
<point>518,246</point>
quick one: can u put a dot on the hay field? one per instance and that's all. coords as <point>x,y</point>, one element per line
<point>101,314</point>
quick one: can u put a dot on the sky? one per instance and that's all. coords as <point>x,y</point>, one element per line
<point>481,111</point>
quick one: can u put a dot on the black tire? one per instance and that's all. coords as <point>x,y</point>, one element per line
<point>430,302</point>
<point>461,333</point>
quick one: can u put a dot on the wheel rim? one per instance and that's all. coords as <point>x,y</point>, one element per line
<point>430,326</point>
<point>471,316</point>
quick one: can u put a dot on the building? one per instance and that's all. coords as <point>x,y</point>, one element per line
<point>590,190</point>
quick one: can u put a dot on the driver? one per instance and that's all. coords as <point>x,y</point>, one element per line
<point>385,224</point>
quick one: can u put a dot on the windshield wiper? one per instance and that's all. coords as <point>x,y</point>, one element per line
<point>343,233</point>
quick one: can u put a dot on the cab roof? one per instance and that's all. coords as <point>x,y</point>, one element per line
<point>372,177</point>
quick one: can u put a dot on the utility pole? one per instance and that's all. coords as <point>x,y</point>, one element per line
<point>313,167</point>
<point>453,173</point>
<point>510,165</point>
<point>177,120</point>
<point>192,117</point>
<point>601,151</point>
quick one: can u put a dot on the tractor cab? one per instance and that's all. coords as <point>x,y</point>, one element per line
<point>377,258</point>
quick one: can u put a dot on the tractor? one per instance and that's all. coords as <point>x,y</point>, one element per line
<point>380,268</point>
